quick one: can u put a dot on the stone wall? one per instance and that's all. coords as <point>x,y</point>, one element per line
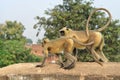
<point>82,71</point>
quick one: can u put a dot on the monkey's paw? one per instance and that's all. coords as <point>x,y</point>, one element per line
<point>70,66</point>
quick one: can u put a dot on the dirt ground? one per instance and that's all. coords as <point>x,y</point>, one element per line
<point>81,68</point>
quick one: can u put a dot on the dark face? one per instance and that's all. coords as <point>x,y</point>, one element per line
<point>62,33</point>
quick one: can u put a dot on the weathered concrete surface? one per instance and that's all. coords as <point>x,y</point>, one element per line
<point>82,71</point>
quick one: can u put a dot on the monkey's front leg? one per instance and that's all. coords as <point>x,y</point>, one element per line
<point>43,62</point>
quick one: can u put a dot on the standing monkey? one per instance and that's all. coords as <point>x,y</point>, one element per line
<point>87,36</point>
<point>59,45</point>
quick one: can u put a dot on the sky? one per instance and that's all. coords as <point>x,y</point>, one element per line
<point>25,11</point>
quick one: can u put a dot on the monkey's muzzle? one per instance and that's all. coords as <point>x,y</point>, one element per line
<point>62,33</point>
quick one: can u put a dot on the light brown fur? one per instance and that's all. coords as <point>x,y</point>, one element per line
<point>89,36</point>
<point>60,45</point>
<point>94,37</point>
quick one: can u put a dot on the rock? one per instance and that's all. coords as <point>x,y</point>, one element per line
<point>82,71</point>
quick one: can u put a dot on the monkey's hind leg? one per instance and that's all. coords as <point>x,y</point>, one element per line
<point>100,52</point>
<point>103,57</point>
<point>68,64</point>
<point>95,57</point>
<point>75,53</point>
<point>71,60</point>
<point>60,61</point>
<point>94,54</point>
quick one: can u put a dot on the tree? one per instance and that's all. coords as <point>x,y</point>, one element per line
<point>12,45</point>
<point>29,41</point>
<point>14,51</point>
<point>39,41</point>
<point>11,30</point>
<point>112,41</point>
<point>74,13</point>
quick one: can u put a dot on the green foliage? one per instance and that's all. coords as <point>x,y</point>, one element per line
<point>13,51</point>
<point>11,30</point>
<point>112,41</point>
<point>29,41</point>
<point>39,41</point>
<point>12,45</point>
<point>74,13</point>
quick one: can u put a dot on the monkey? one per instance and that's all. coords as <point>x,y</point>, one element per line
<point>56,47</point>
<point>89,36</point>
<point>60,45</point>
<point>95,37</point>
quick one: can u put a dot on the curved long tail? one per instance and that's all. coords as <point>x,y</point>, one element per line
<point>102,28</point>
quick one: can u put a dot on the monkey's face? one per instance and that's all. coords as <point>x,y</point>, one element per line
<point>64,31</point>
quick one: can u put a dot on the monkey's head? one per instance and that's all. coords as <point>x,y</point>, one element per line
<point>45,41</point>
<point>64,31</point>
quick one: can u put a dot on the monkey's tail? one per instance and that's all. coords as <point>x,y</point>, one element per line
<point>83,44</point>
<point>102,28</point>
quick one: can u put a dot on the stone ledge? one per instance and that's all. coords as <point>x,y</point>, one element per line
<point>82,71</point>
